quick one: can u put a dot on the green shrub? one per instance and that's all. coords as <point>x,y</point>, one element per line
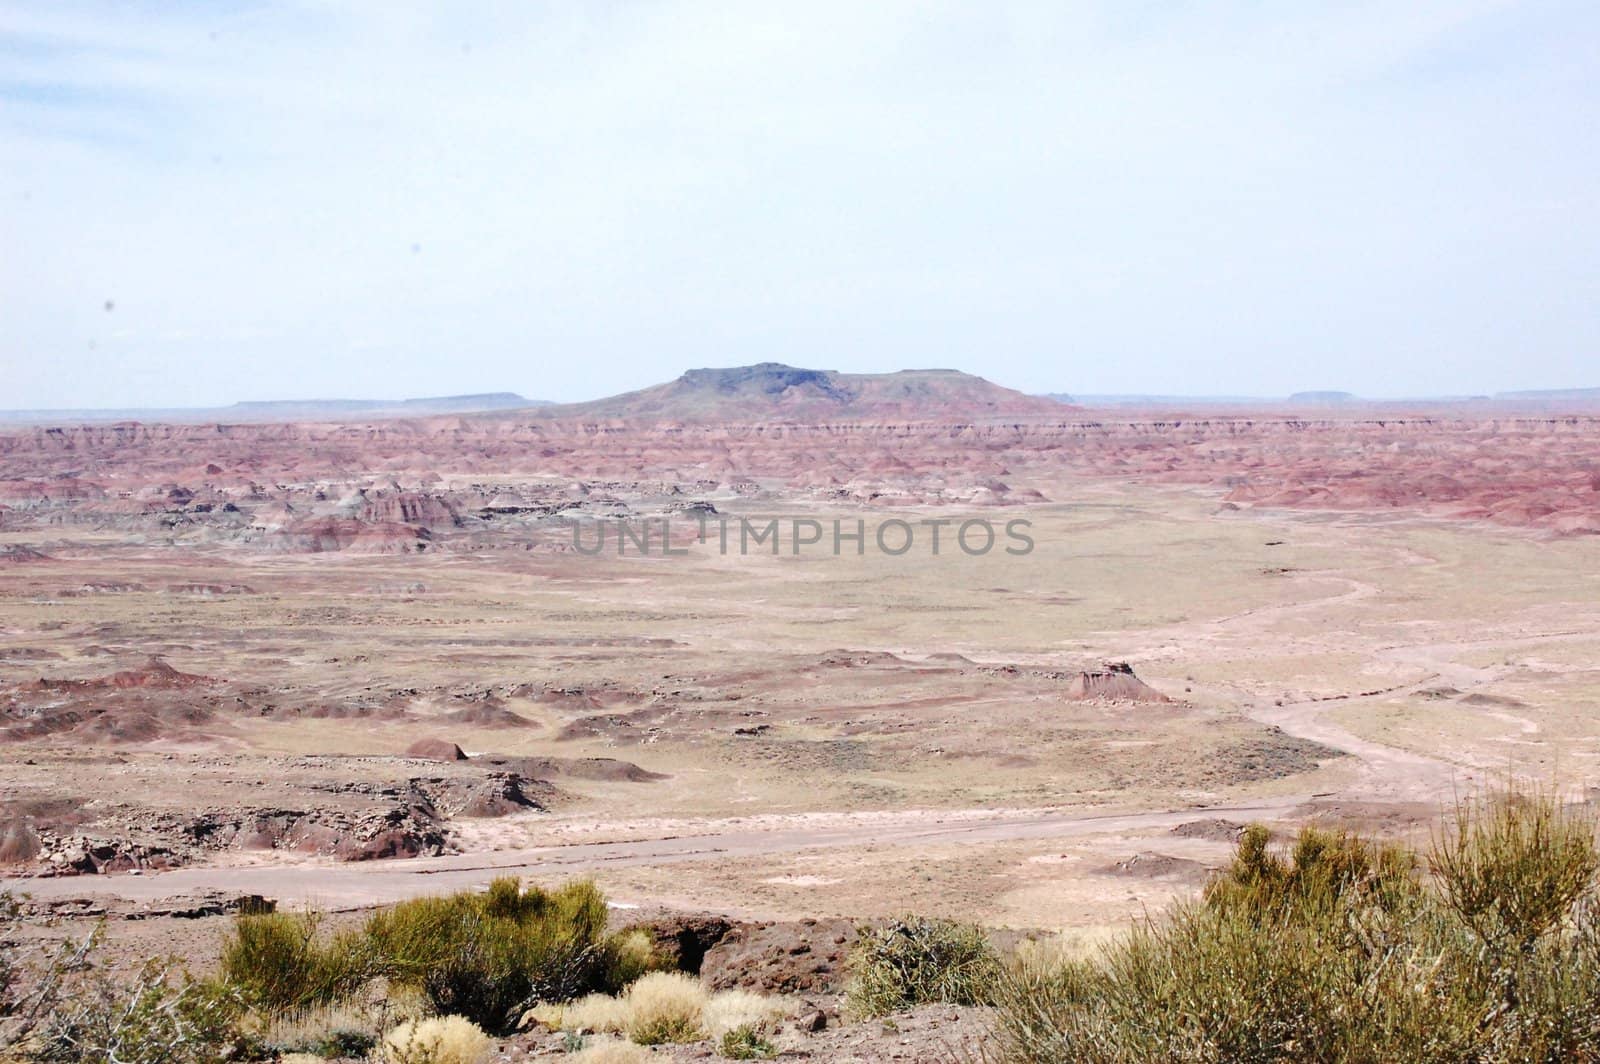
<point>746,1043</point>
<point>629,956</point>
<point>1514,868</point>
<point>1324,872</point>
<point>914,961</point>
<point>490,956</point>
<point>279,963</point>
<point>487,956</point>
<point>1342,951</point>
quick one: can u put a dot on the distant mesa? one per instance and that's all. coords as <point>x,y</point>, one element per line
<point>774,391</point>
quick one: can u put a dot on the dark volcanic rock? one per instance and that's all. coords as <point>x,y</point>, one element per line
<point>781,958</point>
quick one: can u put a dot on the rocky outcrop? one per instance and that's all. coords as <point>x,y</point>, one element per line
<point>1112,682</point>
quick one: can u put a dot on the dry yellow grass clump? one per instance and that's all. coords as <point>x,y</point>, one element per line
<point>596,1012</point>
<point>735,1009</point>
<point>441,1040</point>
<point>666,1007</point>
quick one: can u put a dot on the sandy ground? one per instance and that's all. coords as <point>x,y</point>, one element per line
<point>1318,663</point>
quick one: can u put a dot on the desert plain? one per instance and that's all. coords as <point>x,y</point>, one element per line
<point>341,664</point>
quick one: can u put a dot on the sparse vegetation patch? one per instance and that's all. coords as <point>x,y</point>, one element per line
<point>1345,950</point>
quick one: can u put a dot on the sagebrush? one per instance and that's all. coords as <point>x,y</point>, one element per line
<point>1347,951</point>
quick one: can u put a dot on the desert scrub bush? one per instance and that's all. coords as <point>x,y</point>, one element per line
<point>484,955</point>
<point>915,961</point>
<point>11,1022</point>
<point>1515,867</point>
<point>438,1040</point>
<point>157,1018</point>
<point>34,981</point>
<point>629,955</point>
<point>1324,871</point>
<point>665,1007</point>
<point>1340,950</point>
<point>280,964</point>
<point>746,1043</point>
<point>489,956</point>
<point>8,970</point>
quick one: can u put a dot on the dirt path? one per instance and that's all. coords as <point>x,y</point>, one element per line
<point>335,886</point>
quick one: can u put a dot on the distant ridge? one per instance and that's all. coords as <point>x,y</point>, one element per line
<point>1297,399</point>
<point>1562,400</point>
<point>283,410</point>
<point>445,404</point>
<point>1552,395</point>
<point>774,391</point>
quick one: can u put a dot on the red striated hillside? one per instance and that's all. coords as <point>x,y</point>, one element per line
<point>930,437</point>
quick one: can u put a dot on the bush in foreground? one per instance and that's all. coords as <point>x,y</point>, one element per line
<point>916,961</point>
<point>486,956</point>
<point>489,956</point>
<point>746,1043</point>
<point>1344,950</point>
<point>280,963</point>
<point>157,1018</point>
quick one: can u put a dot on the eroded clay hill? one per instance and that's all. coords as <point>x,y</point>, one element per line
<point>415,485</point>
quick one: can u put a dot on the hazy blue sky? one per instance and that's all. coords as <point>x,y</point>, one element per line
<point>386,199</point>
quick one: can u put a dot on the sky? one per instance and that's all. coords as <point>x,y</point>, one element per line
<point>206,201</point>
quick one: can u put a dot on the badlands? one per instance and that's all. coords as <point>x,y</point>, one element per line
<point>341,663</point>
